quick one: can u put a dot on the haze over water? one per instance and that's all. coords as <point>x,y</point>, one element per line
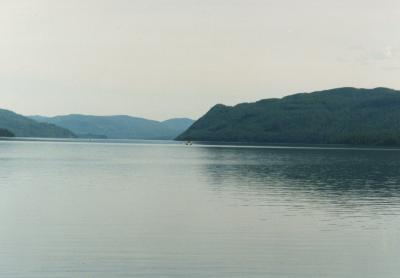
<point>97,209</point>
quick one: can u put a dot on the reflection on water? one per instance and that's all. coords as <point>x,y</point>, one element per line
<point>345,177</point>
<point>123,209</point>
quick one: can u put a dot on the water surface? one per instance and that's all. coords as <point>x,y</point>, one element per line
<point>146,209</point>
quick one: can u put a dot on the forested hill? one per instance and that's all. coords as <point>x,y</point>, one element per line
<point>337,116</point>
<point>21,126</point>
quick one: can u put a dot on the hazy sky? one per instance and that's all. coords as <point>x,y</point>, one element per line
<point>167,58</point>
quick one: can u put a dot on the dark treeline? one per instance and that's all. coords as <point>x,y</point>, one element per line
<point>6,133</point>
<point>338,116</point>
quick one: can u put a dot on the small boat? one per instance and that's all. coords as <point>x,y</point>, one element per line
<point>189,143</point>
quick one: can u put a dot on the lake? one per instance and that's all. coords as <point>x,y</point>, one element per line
<point>163,209</point>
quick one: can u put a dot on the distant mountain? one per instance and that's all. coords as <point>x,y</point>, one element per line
<point>21,126</point>
<point>178,124</point>
<point>338,116</point>
<point>118,127</point>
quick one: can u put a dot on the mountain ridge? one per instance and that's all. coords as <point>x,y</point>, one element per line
<point>22,126</point>
<point>344,115</point>
<point>118,126</point>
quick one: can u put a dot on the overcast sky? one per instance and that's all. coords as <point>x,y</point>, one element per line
<point>177,58</point>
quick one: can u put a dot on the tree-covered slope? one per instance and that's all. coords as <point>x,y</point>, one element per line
<point>119,127</point>
<point>339,116</point>
<point>21,126</point>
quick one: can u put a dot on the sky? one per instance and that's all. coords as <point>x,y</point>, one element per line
<point>160,59</point>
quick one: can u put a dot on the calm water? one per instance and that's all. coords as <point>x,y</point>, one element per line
<point>76,209</point>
